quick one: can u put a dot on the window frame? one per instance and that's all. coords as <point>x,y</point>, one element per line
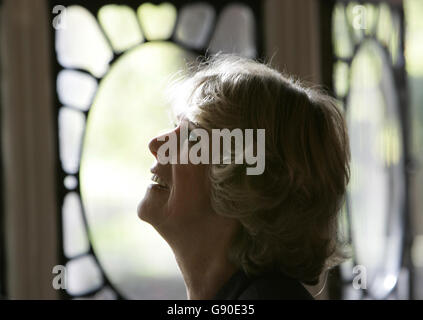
<point>337,284</point>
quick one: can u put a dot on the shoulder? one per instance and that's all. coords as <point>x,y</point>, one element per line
<point>274,286</point>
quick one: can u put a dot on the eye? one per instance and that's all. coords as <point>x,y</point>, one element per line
<point>192,136</point>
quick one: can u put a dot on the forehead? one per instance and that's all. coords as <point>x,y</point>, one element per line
<point>184,102</point>
<point>183,117</point>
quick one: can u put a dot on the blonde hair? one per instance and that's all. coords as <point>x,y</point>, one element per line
<point>288,214</point>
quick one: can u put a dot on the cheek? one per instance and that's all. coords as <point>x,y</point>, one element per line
<point>191,194</point>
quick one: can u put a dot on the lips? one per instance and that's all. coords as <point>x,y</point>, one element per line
<point>158,179</point>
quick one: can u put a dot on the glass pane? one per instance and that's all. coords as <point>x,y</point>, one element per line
<point>357,19</point>
<point>71,128</point>
<point>343,46</point>
<point>341,78</point>
<point>414,40</point>
<point>70,182</point>
<point>81,44</point>
<point>128,111</point>
<point>75,239</point>
<point>372,14</point>
<point>362,18</point>
<point>76,88</point>
<point>235,31</point>
<point>157,21</point>
<point>377,186</point>
<point>82,275</point>
<point>384,26</point>
<point>121,26</point>
<point>194,24</point>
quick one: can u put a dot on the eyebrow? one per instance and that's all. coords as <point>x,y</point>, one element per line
<point>181,117</point>
<point>196,125</point>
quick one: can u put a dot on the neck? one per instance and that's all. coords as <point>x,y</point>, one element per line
<point>203,261</point>
<point>203,282</point>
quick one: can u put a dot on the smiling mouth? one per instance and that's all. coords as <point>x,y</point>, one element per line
<point>159,182</point>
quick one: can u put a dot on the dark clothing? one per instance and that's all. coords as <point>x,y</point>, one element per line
<point>269,286</point>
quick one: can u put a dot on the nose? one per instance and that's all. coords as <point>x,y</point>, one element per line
<point>156,142</point>
<point>153,145</point>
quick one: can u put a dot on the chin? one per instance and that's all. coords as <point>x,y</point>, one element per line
<point>149,211</point>
<point>145,210</point>
<point>140,210</point>
<point>153,207</point>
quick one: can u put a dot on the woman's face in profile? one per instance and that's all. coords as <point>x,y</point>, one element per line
<point>179,193</point>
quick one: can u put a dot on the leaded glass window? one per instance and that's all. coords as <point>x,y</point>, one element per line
<point>113,62</point>
<point>369,81</point>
